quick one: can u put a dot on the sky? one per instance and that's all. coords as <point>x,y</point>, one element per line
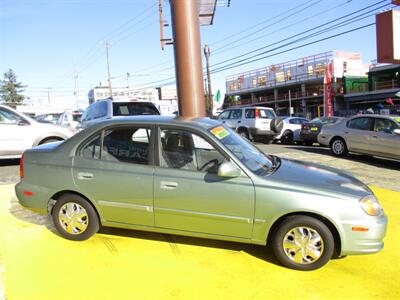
<point>50,42</point>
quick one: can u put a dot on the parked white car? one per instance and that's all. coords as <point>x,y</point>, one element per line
<point>71,119</point>
<point>250,122</point>
<point>19,132</point>
<point>290,132</point>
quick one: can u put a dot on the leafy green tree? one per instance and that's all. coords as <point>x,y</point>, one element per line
<point>10,89</point>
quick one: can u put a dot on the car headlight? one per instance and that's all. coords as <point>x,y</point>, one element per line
<point>371,206</point>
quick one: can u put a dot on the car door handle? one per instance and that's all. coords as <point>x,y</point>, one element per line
<point>223,121</point>
<point>168,185</point>
<point>239,121</point>
<point>346,132</point>
<point>85,176</point>
<point>375,136</point>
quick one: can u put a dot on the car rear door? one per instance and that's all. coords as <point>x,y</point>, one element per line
<point>384,141</point>
<point>358,133</point>
<point>114,168</point>
<point>189,195</point>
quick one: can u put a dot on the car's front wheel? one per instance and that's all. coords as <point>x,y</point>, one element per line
<point>302,243</point>
<point>338,147</point>
<point>75,218</point>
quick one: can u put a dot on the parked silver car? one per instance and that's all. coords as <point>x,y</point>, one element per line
<point>376,135</point>
<point>250,122</point>
<point>19,132</point>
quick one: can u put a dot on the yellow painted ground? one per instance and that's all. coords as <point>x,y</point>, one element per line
<point>138,265</point>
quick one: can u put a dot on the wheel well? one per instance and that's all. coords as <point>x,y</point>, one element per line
<point>336,138</point>
<point>50,138</point>
<point>240,129</point>
<point>332,228</point>
<point>59,194</point>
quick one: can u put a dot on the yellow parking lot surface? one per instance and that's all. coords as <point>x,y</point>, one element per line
<point>122,264</point>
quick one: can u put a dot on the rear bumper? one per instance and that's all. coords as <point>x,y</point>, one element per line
<point>309,136</point>
<point>262,132</point>
<point>33,197</point>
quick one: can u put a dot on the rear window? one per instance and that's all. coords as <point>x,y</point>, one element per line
<point>134,108</point>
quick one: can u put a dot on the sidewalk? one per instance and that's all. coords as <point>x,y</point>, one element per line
<point>122,264</point>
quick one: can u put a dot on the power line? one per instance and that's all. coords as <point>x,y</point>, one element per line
<point>299,34</point>
<point>234,65</point>
<point>317,14</point>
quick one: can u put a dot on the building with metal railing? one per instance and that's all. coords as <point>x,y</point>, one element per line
<point>300,82</point>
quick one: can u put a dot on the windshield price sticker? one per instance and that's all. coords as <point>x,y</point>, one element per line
<point>220,132</point>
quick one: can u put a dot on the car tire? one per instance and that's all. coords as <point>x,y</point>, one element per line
<point>287,138</point>
<point>49,140</point>
<point>303,243</point>
<point>276,124</point>
<point>75,218</point>
<point>244,134</point>
<point>338,147</point>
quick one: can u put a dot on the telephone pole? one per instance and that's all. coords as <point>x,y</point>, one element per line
<point>207,53</point>
<point>76,88</point>
<point>187,50</point>
<point>108,70</point>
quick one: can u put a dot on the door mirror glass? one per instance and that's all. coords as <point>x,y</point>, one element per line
<point>22,122</point>
<point>228,169</point>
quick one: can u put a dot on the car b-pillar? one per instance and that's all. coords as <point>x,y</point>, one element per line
<point>187,52</point>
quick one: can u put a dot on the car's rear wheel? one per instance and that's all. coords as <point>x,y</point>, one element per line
<point>244,133</point>
<point>49,140</point>
<point>287,138</point>
<point>338,147</point>
<point>303,243</point>
<point>75,218</point>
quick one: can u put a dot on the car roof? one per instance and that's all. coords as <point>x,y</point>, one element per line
<point>205,123</point>
<point>247,107</point>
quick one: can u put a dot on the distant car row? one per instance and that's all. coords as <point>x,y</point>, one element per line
<point>375,135</point>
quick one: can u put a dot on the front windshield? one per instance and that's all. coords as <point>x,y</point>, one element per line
<point>255,160</point>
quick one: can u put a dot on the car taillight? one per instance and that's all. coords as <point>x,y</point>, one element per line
<point>257,113</point>
<point>304,126</point>
<point>21,167</point>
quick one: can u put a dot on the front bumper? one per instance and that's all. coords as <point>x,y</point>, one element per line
<point>360,242</point>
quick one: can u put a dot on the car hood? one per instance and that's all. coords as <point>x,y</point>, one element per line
<point>315,177</point>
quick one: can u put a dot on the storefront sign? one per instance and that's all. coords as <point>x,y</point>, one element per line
<point>328,101</point>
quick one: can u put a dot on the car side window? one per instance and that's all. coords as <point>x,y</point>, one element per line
<point>8,117</point>
<point>266,114</point>
<point>384,125</point>
<point>364,123</point>
<point>294,121</point>
<point>127,144</point>
<point>250,113</point>
<point>181,149</point>
<point>224,115</point>
<point>91,148</point>
<point>236,114</point>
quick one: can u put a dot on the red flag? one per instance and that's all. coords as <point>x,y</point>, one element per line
<point>390,101</point>
<point>328,101</point>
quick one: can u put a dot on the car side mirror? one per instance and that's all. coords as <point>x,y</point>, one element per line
<point>228,169</point>
<point>396,131</point>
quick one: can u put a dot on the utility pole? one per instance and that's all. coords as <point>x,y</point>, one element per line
<point>127,79</point>
<point>48,95</point>
<point>76,88</point>
<point>187,51</point>
<point>108,70</point>
<point>207,53</point>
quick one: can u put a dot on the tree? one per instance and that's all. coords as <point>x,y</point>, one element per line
<point>10,89</point>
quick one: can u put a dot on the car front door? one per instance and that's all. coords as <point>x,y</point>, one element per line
<point>189,195</point>
<point>16,133</point>
<point>114,168</point>
<point>235,119</point>
<point>384,141</point>
<point>358,133</point>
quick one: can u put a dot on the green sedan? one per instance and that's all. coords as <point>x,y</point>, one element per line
<point>198,178</point>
